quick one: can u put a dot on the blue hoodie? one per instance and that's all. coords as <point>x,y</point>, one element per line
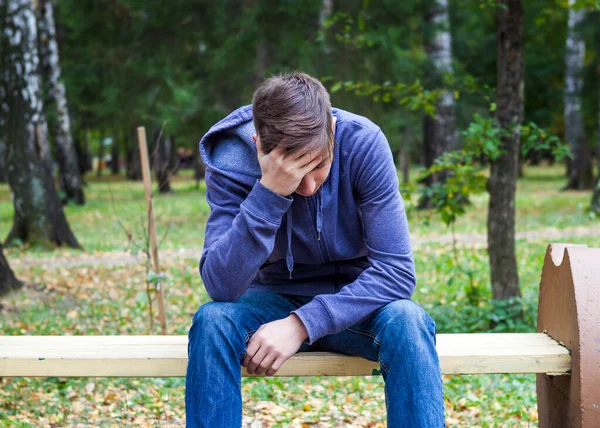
<point>348,245</point>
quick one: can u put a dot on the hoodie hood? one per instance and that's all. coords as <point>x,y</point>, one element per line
<point>229,149</point>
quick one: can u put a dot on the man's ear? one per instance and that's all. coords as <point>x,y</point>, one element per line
<point>258,146</point>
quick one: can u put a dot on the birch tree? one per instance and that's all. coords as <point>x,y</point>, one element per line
<point>70,178</point>
<point>580,172</point>
<point>439,132</point>
<point>39,218</point>
<point>503,176</point>
<point>324,14</point>
<point>8,281</point>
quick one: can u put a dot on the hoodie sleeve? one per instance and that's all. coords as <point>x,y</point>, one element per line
<point>391,274</point>
<point>242,222</point>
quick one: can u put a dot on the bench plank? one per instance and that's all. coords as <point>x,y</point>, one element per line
<point>166,356</point>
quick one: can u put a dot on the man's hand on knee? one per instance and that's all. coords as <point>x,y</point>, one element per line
<point>272,344</point>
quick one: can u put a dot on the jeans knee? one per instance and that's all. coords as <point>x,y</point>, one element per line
<point>211,321</point>
<point>409,319</point>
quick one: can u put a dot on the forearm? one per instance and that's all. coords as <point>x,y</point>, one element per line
<point>372,290</point>
<point>232,260</point>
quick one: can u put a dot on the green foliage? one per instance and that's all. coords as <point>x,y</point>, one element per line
<point>536,139</point>
<point>413,96</point>
<point>154,278</point>
<point>466,168</point>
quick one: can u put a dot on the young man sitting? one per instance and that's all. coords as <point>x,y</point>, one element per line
<point>306,248</point>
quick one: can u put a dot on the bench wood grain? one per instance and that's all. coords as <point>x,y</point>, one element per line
<point>165,356</point>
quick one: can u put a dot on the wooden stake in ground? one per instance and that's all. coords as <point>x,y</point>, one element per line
<point>151,227</point>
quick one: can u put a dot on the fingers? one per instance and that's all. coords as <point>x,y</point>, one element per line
<point>256,360</point>
<point>311,164</point>
<point>265,363</point>
<point>278,151</point>
<point>259,357</point>
<point>297,155</point>
<point>251,349</point>
<point>275,366</point>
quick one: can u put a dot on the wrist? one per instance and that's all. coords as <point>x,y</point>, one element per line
<point>272,188</point>
<point>300,327</point>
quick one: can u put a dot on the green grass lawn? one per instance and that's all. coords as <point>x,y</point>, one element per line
<point>110,300</point>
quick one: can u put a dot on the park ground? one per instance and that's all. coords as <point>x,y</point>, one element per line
<point>101,291</point>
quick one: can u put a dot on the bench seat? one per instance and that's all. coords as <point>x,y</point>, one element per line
<point>166,356</point>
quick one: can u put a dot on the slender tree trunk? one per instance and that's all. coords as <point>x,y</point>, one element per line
<point>70,177</point>
<point>405,155</point>
<point>503,177</point>
<point>261,62</point>
<point>324,15</point>
<point>100,157</point>
<point>580,172</point>
<point>439,133</point>
<point>405,165</point>
<point>261,50</point>
<point>114,155</point>
<point>2,147</point>
<point>84,158</point>
<point>39,218</point>
<point>173,157</point>
<point>596,195</point>
<point>134,164</point>
<point>162,160</point>
<point>8,281</point>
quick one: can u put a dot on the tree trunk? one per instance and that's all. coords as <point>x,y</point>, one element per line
<point>100,157</point>
<point>405,157</point>
<point>503,176</point>
<point>70,177</point>
<point>439,133</point>
<point>134,163</point>
<point>162,160</point>
<point>114,156</point>
<point>324,15</point>
<point>404,165</point>
<point>39,218</point>
<point>173,157</point>
<point>580,172</point>
<point>8,281</point>
<point>596,195</point>
<point>84,158</point>
<point>2,146</point>
<point>260,66</point>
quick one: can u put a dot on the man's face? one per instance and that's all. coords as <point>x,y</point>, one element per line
<point>315,178</point>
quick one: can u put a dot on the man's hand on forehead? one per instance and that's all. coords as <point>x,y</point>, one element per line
<point>282,172</point>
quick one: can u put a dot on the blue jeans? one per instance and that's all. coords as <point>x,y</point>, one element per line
<point>400,336</point>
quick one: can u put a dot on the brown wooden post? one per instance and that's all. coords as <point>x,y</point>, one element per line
<point>569,311</point>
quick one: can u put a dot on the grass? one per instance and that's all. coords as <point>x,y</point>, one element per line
<point>110,300</point>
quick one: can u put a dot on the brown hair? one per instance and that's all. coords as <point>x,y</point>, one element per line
<point>292,110</point>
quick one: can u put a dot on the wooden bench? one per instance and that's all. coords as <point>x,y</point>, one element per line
<point>565,353</point>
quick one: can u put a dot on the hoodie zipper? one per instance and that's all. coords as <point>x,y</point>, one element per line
<point>321,238</point>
